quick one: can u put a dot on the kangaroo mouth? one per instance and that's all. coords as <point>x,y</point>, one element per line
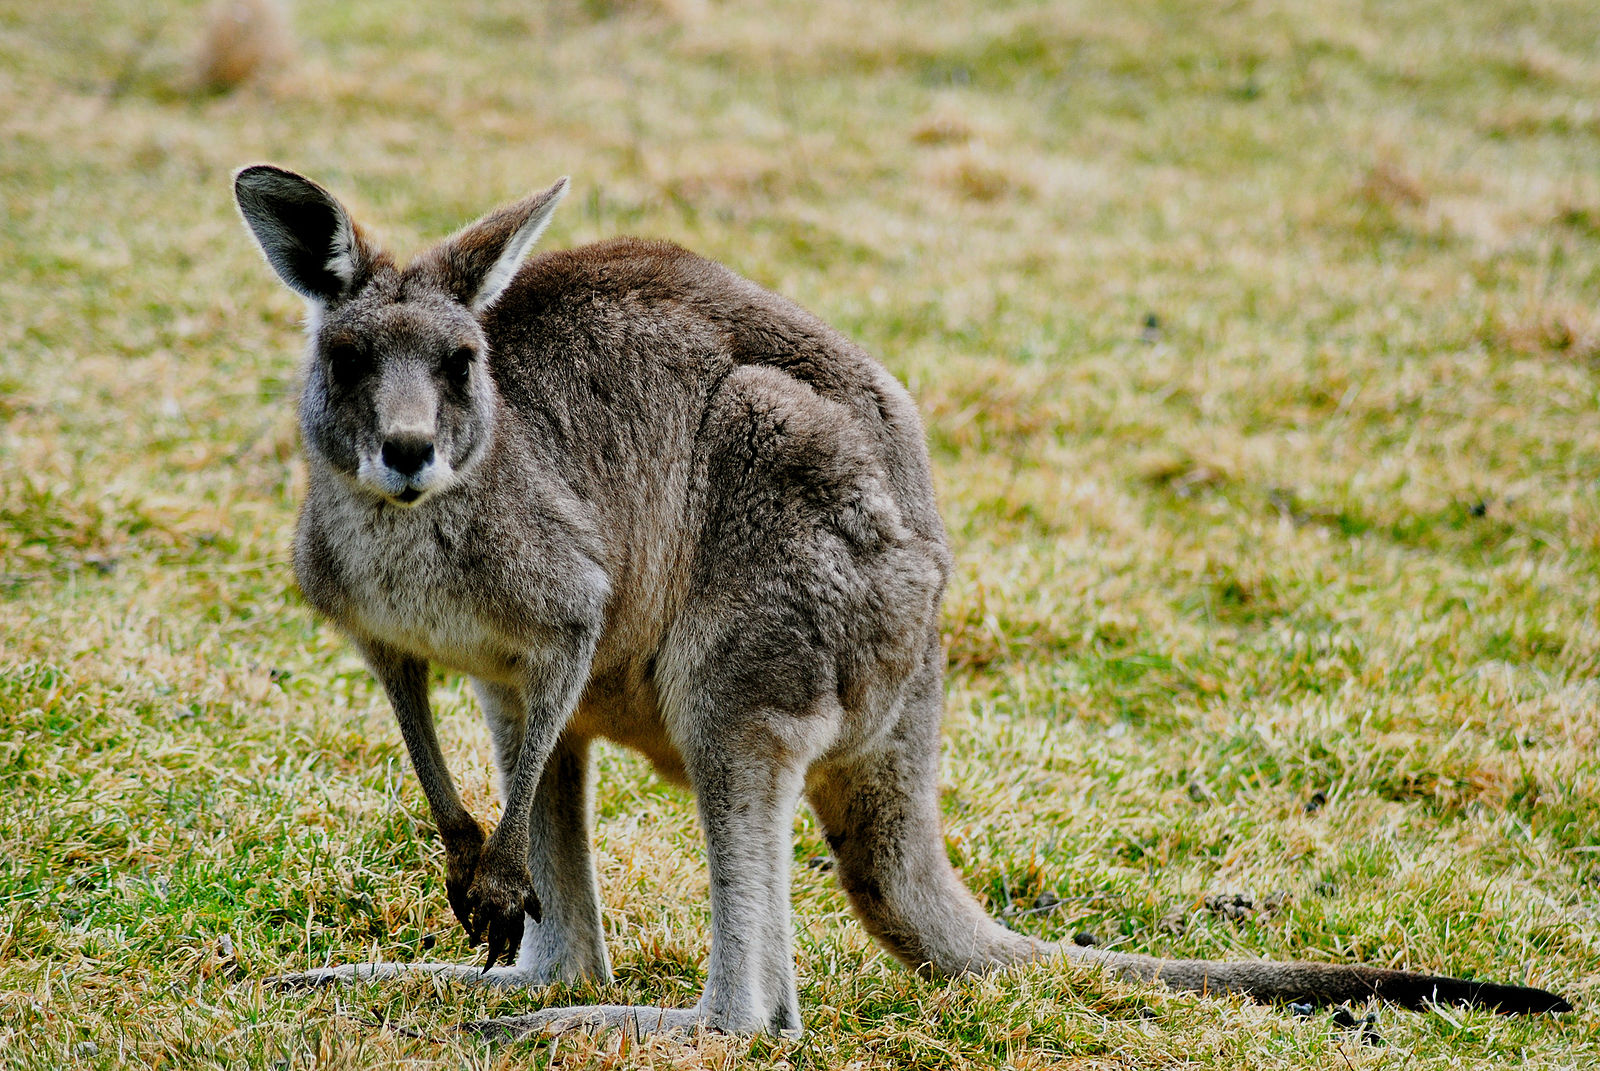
<point>408,496</point>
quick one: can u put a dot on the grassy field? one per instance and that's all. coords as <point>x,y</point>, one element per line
<point>1259,348</point>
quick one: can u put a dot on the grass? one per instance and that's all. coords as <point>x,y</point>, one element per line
<point>1260,357</point>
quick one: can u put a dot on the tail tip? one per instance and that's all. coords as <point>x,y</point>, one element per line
<point>1553,1003</point>
<point>1522,1000</point>
<point>1507,999</point>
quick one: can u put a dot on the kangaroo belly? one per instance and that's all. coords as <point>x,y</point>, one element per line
<point>622,706</point>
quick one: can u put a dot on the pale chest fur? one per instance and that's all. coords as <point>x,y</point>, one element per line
<point>423,580</point>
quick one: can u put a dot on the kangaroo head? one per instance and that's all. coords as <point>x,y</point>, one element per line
<point>398,396</point>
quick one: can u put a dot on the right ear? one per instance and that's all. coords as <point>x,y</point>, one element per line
<point>307,236</point>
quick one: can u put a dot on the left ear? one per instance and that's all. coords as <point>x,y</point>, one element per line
<point>479,261</point>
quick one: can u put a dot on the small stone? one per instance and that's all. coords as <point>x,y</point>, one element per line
<point>1150,334</point>
<point>1302,1011</point>
<point>1232,906</point>
<point>1345,1019</point>
<point>1046,901</point>
<point>1085,939</point>
<point>1318,800</point>
<point>86,1048</point>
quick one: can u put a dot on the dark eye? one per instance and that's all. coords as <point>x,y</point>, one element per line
<point>348,363</point>
<point>458,366</point>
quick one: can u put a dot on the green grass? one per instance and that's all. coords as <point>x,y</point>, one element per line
<point>1332,526</point>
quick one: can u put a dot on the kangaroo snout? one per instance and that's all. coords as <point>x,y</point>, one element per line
<point>407,467</point>
<point>414,431</point>
<point>407,454</point>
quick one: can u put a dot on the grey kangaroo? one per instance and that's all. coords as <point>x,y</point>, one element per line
<point>634,496</point>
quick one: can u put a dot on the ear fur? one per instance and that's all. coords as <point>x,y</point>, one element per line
<point>307,236</point>
<point>479,261</point>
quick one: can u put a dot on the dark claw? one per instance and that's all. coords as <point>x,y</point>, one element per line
<point>532,906</point>
<point>496,947</point>
<point>463,849</point>
<point>459,904</point>
<point>504,934</point>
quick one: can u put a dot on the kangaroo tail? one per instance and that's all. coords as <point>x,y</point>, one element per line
<point>1321,983</point>
<point>881,816</point>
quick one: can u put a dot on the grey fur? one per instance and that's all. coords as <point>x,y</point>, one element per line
<point>635,496</point>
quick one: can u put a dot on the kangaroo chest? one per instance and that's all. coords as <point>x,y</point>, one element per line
<point>428,585</point>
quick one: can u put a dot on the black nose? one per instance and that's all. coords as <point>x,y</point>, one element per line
<point>407,455</point>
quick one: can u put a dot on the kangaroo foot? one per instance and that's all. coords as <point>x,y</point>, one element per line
<point>348,973</point>
<point>637,1020</point>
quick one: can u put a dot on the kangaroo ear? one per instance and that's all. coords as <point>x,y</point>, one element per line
<point>307,236</point>
<point>479,261</point>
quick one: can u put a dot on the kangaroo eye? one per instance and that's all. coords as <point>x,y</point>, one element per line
<point>458,366</point>
<point>348,363</point>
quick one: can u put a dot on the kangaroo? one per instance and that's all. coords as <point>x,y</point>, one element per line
<point>634,496</point>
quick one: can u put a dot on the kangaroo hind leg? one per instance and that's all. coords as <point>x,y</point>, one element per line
<point>879,808</point>
<point>746,762</point>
